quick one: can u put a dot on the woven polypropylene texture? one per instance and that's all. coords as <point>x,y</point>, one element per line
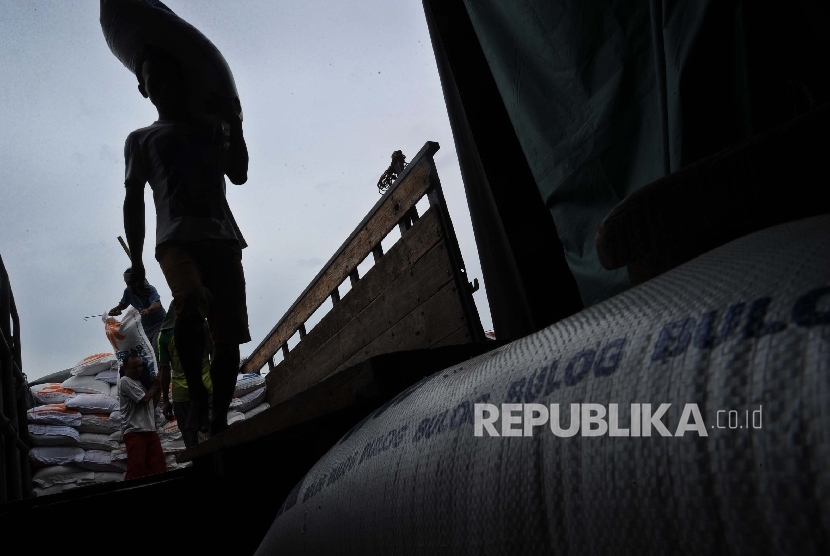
<point>743,328</point>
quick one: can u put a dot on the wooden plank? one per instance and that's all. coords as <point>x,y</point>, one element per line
<point>403,254</point>
<point>366,385</point>
<point>403,195</point>
<point>425,326</point>
<point>460,336</point>
<point>401,297</point>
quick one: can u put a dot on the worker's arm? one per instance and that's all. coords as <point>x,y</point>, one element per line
<point>154,306</point>
<point>236,155</point>
<point>237,168</point>
<point>152,391</point>
<point>134,229</point>
<point>115,311</point>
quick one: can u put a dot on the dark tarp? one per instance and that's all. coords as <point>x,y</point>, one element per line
<point>606,97</point>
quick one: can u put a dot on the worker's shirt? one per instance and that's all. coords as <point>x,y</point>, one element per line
<point>141,303</point>
<point>135,416</point>
<point>182,163</point>
<point>169,355</point>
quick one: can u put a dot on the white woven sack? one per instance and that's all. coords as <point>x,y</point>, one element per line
<point>120,453</point>
<point>53,435</point>
<point>109,376</point>
<point>256,410</point>
<point>93,403</point>
<point>235,417</point>
<point>250,400</point>
<point>87,385</point>
<point>54,414</point>
<point>51,393</point>
<point>61,475</point>
<point>56,489</point>
<point>94,364</point>
<point>128,334</point>
<point>99,423</point>
<point>101,461</point>
<point>169,431</point>
<point>108,476</point>
<point>95,441</point>
<point>246,383</point>
<point>56,455</point>
<point>744,328</point>
<point>173,446</point>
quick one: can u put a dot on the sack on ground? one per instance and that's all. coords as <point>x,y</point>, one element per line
<point>87,385</point>
<point>51,393</point>
<point>93,403</point>
<point>94,364</point>
<point>54,414</point>
<point>53,435</point>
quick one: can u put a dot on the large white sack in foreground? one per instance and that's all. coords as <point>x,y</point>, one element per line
<point>743,328</point>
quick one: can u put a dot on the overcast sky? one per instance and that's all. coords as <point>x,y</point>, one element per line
<point>329,89</point>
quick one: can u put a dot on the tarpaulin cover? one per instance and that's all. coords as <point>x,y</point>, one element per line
<point>606,97</point>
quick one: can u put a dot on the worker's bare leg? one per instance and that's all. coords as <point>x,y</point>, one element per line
<point>224,367</point>
<point>190,343</point>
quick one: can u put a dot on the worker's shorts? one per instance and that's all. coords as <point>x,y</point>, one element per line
<point>206,280</point>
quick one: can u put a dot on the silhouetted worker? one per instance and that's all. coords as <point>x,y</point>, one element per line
<point>148,303</point>
<point>198,244</point>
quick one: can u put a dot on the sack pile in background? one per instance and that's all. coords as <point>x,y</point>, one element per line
<point>70,429</point>
<point>75,430</point>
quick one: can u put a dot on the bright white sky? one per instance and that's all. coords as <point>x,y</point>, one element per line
<point>329,90</point>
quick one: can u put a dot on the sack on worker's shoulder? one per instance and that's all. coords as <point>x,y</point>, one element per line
<point>128,335</point>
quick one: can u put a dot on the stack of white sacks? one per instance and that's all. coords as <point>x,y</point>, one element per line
<point>71,428</point>
<point>75,431</point>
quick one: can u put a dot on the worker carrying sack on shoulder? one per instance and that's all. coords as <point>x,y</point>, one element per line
<point>128,335</point>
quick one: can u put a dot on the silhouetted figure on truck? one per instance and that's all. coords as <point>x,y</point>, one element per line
<point>198,244</point>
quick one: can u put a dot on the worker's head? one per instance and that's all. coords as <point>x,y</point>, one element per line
<point>127,274</point>
<point>160,78</point>
<point>132,365</point>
